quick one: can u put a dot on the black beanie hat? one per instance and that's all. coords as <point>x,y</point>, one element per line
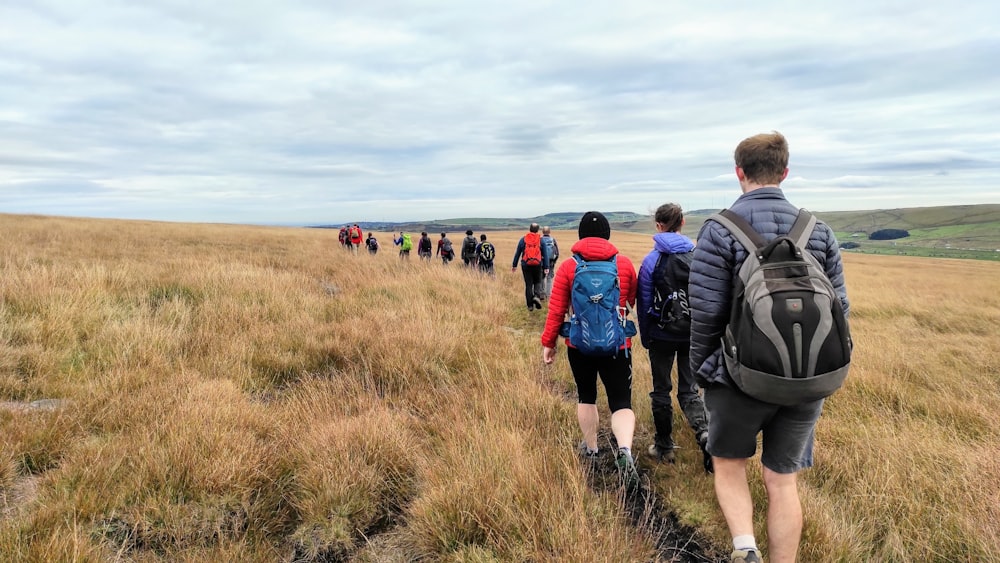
<point>594,224</point>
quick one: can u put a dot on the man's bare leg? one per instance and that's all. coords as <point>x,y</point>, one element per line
<point>733,492</point>
<point>784,516</point>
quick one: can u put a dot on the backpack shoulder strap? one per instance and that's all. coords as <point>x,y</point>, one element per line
<point>741,229</point>
<point>661,256</point>
<point>802,229</point>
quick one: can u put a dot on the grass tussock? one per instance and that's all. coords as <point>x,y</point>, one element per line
<point>257,394</point>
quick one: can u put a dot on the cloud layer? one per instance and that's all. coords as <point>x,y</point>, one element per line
<point>309,111</point>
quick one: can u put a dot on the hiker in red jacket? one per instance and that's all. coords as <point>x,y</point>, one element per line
<point>615,372</point>
<point>356,238</point>
<point>534,260</point>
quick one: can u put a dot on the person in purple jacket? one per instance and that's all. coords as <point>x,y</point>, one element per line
<point>665,345</point>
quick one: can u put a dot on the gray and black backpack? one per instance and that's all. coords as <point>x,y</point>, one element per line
<point>469,247</point>
<point>787,341</point>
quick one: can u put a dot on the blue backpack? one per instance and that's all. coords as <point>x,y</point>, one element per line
<point>597,326</point>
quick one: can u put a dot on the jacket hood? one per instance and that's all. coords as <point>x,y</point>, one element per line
<point>672,243</point>
<point>594,248</point>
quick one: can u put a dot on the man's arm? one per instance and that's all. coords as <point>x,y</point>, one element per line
<point>709,294</point>
<point>517,254</point>
<point>835,268</point>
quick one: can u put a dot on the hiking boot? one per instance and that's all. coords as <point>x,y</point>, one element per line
<point>662,454</point>
<point>626,469</point>
<point>745,556</point>
<point>585,452</point>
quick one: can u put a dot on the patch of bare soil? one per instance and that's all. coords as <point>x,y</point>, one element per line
<point>17,497</point>
<point>39,405</point>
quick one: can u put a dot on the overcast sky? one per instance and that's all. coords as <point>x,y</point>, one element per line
<point>321,111</point>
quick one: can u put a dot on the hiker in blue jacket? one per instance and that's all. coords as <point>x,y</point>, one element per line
<point>666,345</point>
<point>552,250</point>
<point>736,419</point>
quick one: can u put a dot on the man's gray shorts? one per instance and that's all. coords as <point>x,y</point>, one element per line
<point>735,419</point>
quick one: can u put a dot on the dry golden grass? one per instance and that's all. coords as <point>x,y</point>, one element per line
<point>251,393</point>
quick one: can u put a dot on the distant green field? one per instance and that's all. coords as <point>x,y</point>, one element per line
<point>913,250</point>
<point>956,231</point>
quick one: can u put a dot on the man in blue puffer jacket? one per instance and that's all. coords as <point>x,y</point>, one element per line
<point>664,345</point>
<point>735,419</point>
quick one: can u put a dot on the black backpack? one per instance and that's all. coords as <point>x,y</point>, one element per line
<point>670,293</point>
<point>787,341</point>
<point>487,252</point>
<point>469,248</point>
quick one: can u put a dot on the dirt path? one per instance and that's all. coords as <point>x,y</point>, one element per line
<point>674,541</point>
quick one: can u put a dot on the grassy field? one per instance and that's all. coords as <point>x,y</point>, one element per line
<point>251,393</point>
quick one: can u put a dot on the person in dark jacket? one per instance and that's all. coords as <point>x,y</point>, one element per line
<point>664,345</point>
<point>485,254</point>
<point>424,246</point>
<point>445,249</point>
<point>372,244</point>
<point>736,419</point>
<point>534,259</point>
<point>469,245</point>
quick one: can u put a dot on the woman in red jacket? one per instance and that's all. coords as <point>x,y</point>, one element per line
<point>615,372</point>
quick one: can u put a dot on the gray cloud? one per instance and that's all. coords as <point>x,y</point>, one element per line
<point>312,111</point>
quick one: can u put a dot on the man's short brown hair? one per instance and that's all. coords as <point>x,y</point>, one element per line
<point>763,158</point>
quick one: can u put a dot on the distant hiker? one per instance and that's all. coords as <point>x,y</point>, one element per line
<point>665,328</point>
<point>445,249</point>
<point>469,249</point>
<point>425,246</point>
<point>372,244</point>
<point>404,243</point>
<point>594,250</point>
<point>533,258</point>
<point>549,243</point>
<point>356,238</point>
<point>344,238</point>
<point>485,254</point>
<point>735,419</point>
